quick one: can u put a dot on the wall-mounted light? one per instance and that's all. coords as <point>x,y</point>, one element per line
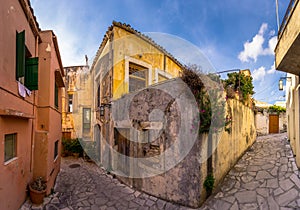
<point>102,110</point>
<point>280,83</point>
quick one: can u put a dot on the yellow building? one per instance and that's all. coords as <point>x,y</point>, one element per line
<point>126,61</point>
<point>287,59</point>
<point>77,103</point>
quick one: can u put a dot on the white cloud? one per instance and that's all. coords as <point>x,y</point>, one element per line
<point>259,74</point>
<point>254,48</point>
<point>272,69</point>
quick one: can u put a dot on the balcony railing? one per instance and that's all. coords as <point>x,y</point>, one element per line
<point>287,16</point>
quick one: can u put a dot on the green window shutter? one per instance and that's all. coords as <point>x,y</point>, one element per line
<point>20,55</point>
<point>31,73</point>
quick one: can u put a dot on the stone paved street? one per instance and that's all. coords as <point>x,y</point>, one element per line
<point>90,187</point>
<point>266,177</point>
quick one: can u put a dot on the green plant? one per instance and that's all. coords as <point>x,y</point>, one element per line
<point>38,184</point>
<point>72,145</point>
<point>191,77</point>
<point>209,183</point>
<point>209,98</point>
<point>277,109</point>
<point>241,83</point>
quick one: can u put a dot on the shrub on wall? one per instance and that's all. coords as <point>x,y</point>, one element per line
<point>240,83</point>
<point>209,97</point>
<point>276,109</point>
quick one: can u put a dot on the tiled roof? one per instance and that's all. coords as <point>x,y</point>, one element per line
<point>128,28</point>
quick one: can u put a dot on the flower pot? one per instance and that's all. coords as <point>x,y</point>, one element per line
<point>36,196</point>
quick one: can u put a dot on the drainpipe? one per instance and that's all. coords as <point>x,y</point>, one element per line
<point>33,112</point>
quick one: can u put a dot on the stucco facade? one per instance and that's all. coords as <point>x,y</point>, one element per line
<point>77,98</point>
<point>287,59</point>
<point>30,66</point>
<point>126,61</point>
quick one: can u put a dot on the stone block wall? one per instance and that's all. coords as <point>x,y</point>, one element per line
<point>150,140</point>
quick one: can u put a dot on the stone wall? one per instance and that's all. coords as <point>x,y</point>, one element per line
<point>182,183</point>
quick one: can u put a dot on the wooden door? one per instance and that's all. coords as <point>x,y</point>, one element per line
<point>273,123</point>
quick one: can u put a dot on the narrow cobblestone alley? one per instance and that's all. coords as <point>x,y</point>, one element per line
<point>266,177</point>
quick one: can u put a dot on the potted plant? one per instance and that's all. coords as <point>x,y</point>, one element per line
<point>37,190</point>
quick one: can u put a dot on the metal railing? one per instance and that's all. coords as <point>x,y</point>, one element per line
<point>287,16</point>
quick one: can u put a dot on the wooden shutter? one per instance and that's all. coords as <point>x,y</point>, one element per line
<point>20,55</point>
<point>31,73</point>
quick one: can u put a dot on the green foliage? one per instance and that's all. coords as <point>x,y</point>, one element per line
<point>72,146</point>
<point>209,183</point>
<point>191,77</point>
<point>39,184</point>
<point>241,83</point>
<point>209,97</point>
<point>277,109</point>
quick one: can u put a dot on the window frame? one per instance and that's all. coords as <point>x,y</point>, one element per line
<point>70,103</point>
<point>56,93</point>
<point>15,147</point>
<point>56,148</point>
<point>140,63</point>
<point>163,74</point>
<point>84,129</point>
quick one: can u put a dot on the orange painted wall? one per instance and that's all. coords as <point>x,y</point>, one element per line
<point>38,108</point>
<point>15,174</point>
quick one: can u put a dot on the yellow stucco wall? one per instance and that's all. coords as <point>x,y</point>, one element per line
<point>128,45</point>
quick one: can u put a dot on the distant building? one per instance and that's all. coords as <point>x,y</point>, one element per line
<point>77,103</point>
<point>287,59</point>
<point>30,103</point>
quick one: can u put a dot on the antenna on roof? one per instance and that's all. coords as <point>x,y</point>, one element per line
<point>277,16</point>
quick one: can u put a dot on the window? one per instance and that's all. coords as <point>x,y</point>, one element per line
<point>26,67</point>
<point>161,76</point>
<point>56,95</point>
<point>98,96</point>
<point>10,145</point>
<point>138,77</point>
<point>55,149</point>
<point>86,115</point>
<point>70,109</point>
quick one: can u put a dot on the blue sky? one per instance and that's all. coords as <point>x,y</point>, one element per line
<point>231,34</point>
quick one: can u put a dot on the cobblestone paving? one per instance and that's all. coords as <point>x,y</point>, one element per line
<point>266,177</point>
<point>89,187</point>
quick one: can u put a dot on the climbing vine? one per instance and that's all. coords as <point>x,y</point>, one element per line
<point>209,97</point>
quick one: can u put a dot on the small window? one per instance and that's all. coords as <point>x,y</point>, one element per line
<point>98,96</point>
<point>55,149</point>
<point>86,115</point>
<point>10,146</point>
<point>138,77</point>
<point>56,95</point>
<point>70,109</point>
<point>162,78</point>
